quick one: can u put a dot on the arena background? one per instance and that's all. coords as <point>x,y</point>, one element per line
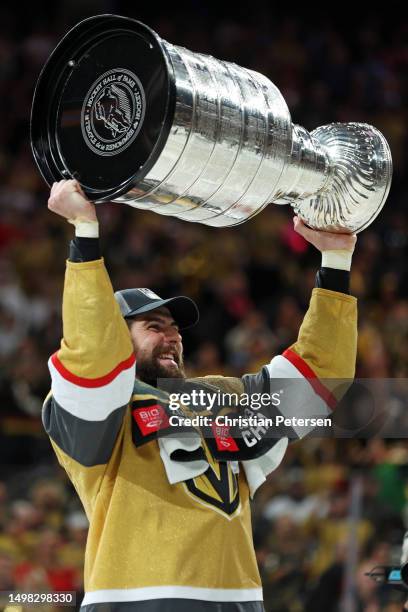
<point>252,284</point>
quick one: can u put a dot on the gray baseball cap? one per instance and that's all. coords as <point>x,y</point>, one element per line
<point>133,302</point>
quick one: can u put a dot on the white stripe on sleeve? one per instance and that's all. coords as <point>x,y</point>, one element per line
<point>92,404</point>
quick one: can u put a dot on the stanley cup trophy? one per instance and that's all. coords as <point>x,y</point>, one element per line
<point>142,122</point>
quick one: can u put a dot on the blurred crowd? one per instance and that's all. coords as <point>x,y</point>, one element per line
<point>252,284</point>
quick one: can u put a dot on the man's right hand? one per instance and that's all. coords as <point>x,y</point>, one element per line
<point>68,200</point>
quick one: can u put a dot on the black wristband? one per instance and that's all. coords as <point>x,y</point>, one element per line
<point>333,279</point>
<point>84,249</point>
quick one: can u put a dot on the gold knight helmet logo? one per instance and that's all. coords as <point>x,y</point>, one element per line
<point>217,487</point>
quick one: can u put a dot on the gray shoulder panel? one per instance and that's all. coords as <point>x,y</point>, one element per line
<point>257,383</point>
<point>88,442</point>
<point>261,383</point>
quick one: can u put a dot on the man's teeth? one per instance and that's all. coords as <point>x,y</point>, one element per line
<point>168,356</point>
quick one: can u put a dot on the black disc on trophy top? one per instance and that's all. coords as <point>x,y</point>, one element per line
<point>103,106</point>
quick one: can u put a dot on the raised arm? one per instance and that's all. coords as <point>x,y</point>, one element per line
<point>93,371</point>
<point>324,354</point>
<point>308,378</point>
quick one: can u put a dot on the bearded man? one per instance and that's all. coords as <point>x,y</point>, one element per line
<point>170,526</point>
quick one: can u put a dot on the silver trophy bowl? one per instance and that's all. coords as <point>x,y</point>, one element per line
<point>155,126</point>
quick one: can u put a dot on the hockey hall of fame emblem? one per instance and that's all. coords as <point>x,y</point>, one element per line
<point>112,112</point>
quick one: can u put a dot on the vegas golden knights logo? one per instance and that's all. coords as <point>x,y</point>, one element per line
<point>217,487</point>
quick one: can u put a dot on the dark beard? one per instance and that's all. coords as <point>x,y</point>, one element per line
<point>149,371</point>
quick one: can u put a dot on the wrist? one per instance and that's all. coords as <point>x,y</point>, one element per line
<point>85,228</point>
<point>338,259</point>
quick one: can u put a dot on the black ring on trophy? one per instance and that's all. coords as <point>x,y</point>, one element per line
<point>96,47</point>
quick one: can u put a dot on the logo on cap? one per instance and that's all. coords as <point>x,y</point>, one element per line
<point>150,294</point>
<point>113,112</point>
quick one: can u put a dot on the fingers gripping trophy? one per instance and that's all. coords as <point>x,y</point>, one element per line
<point>140,121</point>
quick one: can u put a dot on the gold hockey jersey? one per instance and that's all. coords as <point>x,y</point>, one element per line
<point>191,542</point>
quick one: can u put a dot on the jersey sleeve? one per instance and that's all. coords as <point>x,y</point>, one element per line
<point>92,374</point>
<point>313,373</point>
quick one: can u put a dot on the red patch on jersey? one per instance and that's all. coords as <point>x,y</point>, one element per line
<point>223,439</point>
<point>150,419</point>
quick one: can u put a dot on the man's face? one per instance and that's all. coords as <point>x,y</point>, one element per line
<point>158,346</point>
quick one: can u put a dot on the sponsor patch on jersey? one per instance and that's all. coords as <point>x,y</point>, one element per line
<point>150,419</point>
<point>224,441</point>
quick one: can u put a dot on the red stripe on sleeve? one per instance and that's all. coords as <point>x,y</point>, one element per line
<point>308,373</point>
<point>92,382</point>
